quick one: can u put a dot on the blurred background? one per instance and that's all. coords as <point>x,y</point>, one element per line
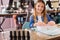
<point>20,10</point>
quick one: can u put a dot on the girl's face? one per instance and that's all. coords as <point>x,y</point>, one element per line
<point>39,7</point>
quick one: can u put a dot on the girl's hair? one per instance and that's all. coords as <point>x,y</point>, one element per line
<point>44,12</point>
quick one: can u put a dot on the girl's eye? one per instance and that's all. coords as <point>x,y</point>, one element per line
<point>42,6</point>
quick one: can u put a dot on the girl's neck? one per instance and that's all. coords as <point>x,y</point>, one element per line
<point>39,14</point>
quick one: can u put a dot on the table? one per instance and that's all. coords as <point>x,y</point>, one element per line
<point>42,36</point>
<point>34,36</point>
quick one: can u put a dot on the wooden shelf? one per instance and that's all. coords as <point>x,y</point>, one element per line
<point>53,11</point>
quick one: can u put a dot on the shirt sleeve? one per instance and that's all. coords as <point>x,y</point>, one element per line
<point>49,18</point>
<point>31,21</point>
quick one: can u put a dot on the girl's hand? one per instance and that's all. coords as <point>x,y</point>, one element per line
<point>39,24</point>
<point>35,24</point>
<point>51,23</point>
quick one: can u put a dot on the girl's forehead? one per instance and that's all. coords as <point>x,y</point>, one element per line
<point>40,3</point>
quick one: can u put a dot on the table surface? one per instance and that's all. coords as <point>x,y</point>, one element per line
<point>35,36</point>
<point>42,36</point>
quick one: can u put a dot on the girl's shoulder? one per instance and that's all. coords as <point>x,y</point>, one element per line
<point>31,16</point>
<point>47,15</point>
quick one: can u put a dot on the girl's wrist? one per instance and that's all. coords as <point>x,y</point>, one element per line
<point>34,25</point>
